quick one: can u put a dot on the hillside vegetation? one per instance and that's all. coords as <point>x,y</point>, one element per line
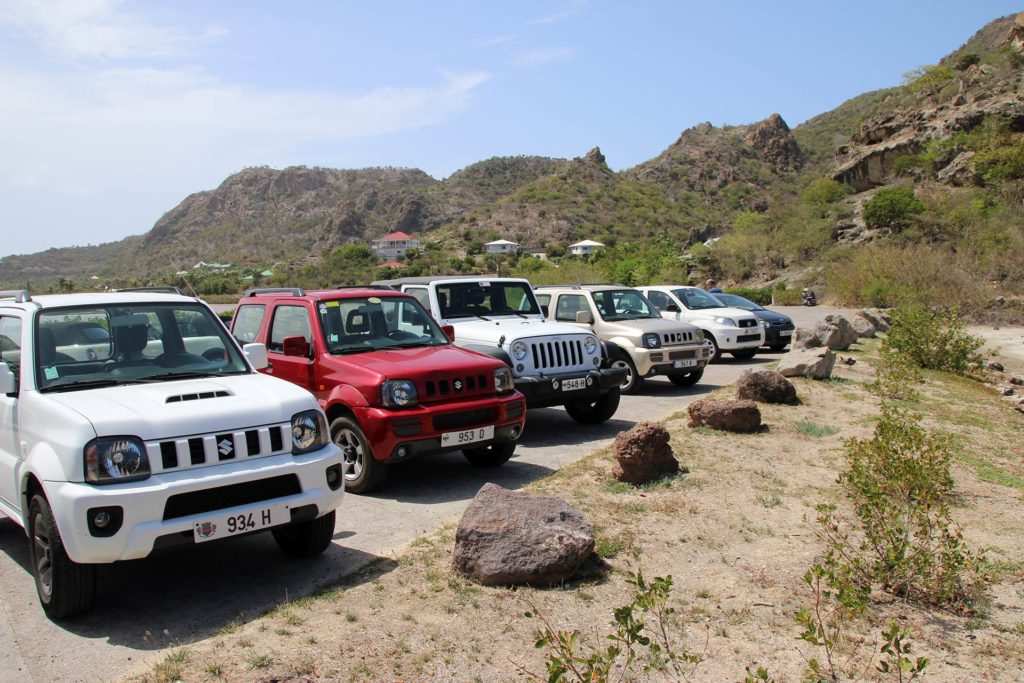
<point>877,201</point>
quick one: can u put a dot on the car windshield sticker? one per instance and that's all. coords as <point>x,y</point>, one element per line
<point>50,372</point>
<point>374,300</point>
<point>333,338</point>
<point>323,309</point>
<point>332,304</point>
<point>484,284</point>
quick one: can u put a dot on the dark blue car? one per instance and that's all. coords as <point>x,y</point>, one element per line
<point>778,328</point>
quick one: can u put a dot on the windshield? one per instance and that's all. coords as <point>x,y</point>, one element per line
<point>480,299</point>
<point>696,299</point>
<point>623,304</point>
<point>737,301</point>
<point>130,343</point>
<point>373,323</point>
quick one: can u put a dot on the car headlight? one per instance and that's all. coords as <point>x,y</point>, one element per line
<point>115,459</point>
<point>590,345</point>
<point>728,322</point>
<point>518,350</point>
<point>398,393</point>
<point>309,431</point>
<point>651,340</point>
<point>503,382</point>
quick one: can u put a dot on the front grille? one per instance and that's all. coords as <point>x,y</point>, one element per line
<point>676,338</point>
<point>464,419</point>
<point>224,497</point>
<point>747,338</point>
<point>783,325</point>
<point>454,385</point>
<point>751,322</point>
<point>680,355</point>
<point>562,354</point>
<point>204,450</point>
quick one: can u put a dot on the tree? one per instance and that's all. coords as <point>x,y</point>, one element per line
<point>892,207</point>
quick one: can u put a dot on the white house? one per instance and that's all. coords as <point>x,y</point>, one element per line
<point>394,245</point>
<point>502,247</point>
<point>585,247</point>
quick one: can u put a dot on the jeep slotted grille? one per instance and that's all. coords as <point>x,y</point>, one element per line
<point>204,450</point>
<point>558,354</point>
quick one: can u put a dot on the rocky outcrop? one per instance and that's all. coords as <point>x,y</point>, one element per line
<point>812,363</point>
<point>879,318</point>
<point>863,327</point>
<point>644,454</point>
<point>773,139</point>
<point>512,538</point>
<point>766,386</point>
<point>730,416</point>
<point>835,332</point>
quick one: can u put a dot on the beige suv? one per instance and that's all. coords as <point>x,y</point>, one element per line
<point>635,335</point>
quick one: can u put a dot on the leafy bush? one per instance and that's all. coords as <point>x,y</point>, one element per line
<point>896,376</point>
<point>928,78</point>
<point>823,191</point>
<point>760,295</point>
<point>967,61</point>
<point>787,297</point>
<point>892,207</point>
<point>904,541</point>
<point>934,340</point>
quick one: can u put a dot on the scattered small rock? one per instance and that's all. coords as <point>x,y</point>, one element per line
<point>1016,380</point>
<point>766,386</point>
<point>847,360</point>
<point>514,538</point>
<point>994,365</point>
<point>1006,390</point>
<point>644,454</point>
<point>730,416</point>
<point>813,363</point>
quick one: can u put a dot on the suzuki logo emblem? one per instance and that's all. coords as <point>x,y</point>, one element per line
<point>225,446</point>
<point>458,385</point>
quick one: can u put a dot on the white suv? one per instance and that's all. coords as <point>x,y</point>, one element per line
<point>729,329</point>
<point>132,422</point>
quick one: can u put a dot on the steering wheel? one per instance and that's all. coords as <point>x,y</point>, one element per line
<point>401,335</point>
<point>215,354</point>
<point>176,359</point>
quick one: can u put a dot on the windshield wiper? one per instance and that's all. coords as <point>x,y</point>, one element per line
<point>178,375</point>
<point>88,384</point>
<point>414,344</point>
<point>351,349</point>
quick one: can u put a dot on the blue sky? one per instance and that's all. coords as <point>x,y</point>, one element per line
<point>112,112</point>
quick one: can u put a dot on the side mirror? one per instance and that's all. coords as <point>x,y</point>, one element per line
<point>257,355</point>
<point>585,317</point>
<point>672,308</point>
<point>449,331</point>
<point>295,346</point>
<point>8,380</point>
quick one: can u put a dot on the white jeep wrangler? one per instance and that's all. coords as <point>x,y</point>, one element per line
<point>552,363</point>
<point>132,422</point>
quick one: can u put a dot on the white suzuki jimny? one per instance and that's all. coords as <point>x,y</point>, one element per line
<point>131,422</point>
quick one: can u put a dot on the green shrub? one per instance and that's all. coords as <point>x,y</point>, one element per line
<point>934,340</point>
<point>904,541</point>
<point>896,376</point>
<point>928,78</point>
<point>892,207</point>
<point>786,297</point>
<point>759,295</point>
<point>823,191</point>
<point>967,61</point>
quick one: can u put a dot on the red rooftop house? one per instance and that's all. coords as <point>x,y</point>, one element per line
<point>394,245</point>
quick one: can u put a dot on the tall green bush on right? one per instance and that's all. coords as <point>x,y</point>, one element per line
<point>934,340</point>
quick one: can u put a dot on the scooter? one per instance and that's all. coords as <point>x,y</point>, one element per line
<point>807,297</point>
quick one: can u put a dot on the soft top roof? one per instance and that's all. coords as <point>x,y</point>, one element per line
<point>429,279</point>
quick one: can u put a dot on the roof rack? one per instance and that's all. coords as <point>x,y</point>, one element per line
<point>291,291</point>
<point>384,287</point>
<point>572,286</point>
<point>167,289</point>
<point>20,296</point>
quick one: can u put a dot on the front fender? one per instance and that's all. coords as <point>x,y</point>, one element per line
<point>44,465</point>
<point>492,351</point>
<point>344,394</point>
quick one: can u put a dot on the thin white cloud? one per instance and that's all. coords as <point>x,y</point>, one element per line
<point>573,8</point>
<point>542,56</point>
<point>494,41</point>
<point>97,29</point>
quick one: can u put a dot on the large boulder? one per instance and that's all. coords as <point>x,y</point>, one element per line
<point>508,538</point>
<point>724,414</point>
<point>862,326</point>
<point>804,338</point>
<point>878,317</point>
<point>643,454</point>
<point>835,332</point>
<point>766,386</point>
<point>813,363</point>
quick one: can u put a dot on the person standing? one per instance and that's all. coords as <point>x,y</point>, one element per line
<point>712,287</point>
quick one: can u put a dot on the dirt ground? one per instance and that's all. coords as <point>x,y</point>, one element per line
<point>736,533</point>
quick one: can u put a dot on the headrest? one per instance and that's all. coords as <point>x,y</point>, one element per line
<point>357,322</point>
<point>130,338</point>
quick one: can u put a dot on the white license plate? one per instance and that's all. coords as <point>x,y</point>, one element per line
<point>574,384</point>
<point>786,333</point>
<point>688,363</point>
<point>467,436</point>
<point>223,526</point>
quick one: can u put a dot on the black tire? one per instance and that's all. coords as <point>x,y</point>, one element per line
<point>633,380</point>
<point>716,353</point>
<point>687,379</point>
<point>361,470</point>
<point>743,354</point>
<point>778,348</point>
<point>490,455</point>
<point>305,539</point>
<point>65,587</point>
<point>595,412</point>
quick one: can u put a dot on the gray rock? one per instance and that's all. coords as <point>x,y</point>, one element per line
<point>813,363</point>
<point>766,386</point>
<point>835,332</point>
<point>804,338</point>
<point>878,317</point>
<point>730,416</point>
<point>644,454</point>
<point>862,326</point>
<point>512,538</point>
<point>1006,390</point>
<point>994,365</point>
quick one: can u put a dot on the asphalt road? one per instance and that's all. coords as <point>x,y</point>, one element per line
<point>146,606</point>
